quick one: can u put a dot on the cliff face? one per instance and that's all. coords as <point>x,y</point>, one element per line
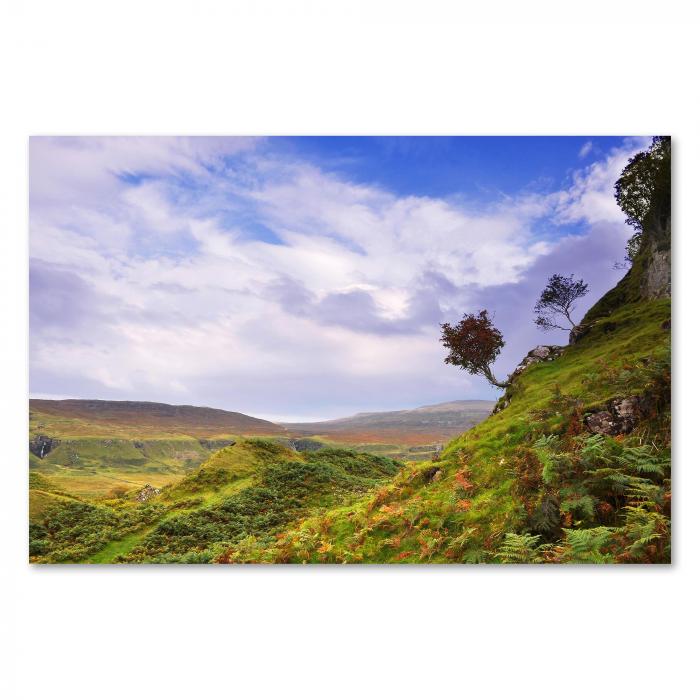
<point>656,278</point>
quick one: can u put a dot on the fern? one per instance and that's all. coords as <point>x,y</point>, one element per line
<point>647,533</point>
<point>544,447</point>
<point>595,450</point>
<point>643,461</point>
<point>520,549</point>
<point>583,506</point>
<point>584,546</point>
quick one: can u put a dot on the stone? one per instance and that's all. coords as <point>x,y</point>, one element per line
<point>146,493</point>
<point>627,413</point>
<point>541,352</point>
<point>602,423</point>
<point>429,474</point>
<point>621,417</point>
<point>657,278</point>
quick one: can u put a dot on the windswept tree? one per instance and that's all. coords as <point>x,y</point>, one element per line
<point>643,192</point>
<point>556,303</point>
<point>474,343</point>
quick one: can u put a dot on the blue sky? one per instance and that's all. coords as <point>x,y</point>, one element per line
<point>306,277</point>
<point>445,166</point>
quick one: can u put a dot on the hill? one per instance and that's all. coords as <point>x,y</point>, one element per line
<point>435,423</point>
<point>245,492</point>
<point>77,417</point>
<point>92,448</point>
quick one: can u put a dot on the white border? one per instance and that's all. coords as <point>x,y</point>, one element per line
<point>315,67</point>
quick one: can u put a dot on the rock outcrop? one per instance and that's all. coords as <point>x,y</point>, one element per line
<point>542,353</point>
<point>41,445</point>
<point>620,417</point>
<point>656,282</point>
<point>146,493</point>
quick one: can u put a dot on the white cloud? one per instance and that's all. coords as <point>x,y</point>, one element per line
<point>590,198</point>
<point>585,149</point>
<point>184,305</point>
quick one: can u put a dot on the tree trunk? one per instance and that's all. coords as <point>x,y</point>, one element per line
<point>492,380</point>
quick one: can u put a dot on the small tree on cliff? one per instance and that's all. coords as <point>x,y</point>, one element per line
<point>643,192</point>
<point>557,302</point>
<point>474,343</point>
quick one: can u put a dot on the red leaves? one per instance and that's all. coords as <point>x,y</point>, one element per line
<point>462,478</point>
<point>473,343</point>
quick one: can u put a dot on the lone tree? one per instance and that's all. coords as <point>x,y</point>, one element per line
<point>643,192</point>
<point>474,343</point>
<point>557,301</point>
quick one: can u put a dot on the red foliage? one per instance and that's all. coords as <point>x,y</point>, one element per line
<point>473,344</point>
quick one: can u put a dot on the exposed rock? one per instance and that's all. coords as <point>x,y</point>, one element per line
<point>657,278</point>
<point>627,412</point>
<point>41,445</point>
<point>542,353</point>
<point>620,418</point>
<point>602,423</point>
<point>437,476</point>
<point>146,493</point>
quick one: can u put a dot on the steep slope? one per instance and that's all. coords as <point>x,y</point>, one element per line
<point>544,479</point>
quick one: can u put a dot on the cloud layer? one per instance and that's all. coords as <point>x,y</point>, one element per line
<point>219,271</point>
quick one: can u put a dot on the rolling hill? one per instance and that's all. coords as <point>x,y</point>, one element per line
<point>436,423</point>
<point>86,417</point>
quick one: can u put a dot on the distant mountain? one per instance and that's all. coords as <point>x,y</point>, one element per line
<point>143,418</point>
<point>434,423</point>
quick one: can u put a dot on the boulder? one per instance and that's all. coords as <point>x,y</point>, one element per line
<point>627,412</point>
<point>541,352</point>
<point>621,416</point>
<point>146,493</point>
<point>602,423</point>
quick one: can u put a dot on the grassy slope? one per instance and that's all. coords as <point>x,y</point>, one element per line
<point>464,513</point>
<point>263,475</point>
<point>223,474</point>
